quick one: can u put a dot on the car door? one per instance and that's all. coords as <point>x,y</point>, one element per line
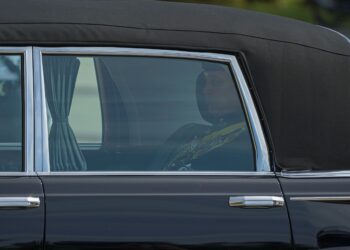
<point>137,153</point>
<point>319,208</point>
<point>21,194</point>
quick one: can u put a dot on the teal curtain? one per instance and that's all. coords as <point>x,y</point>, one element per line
<point>60,74</point>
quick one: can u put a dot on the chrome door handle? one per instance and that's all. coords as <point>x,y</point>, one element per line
<point>256,201</point>
<point>19,202</point>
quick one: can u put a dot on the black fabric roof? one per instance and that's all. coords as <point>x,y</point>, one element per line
<point>300,71</point>
<point>159,15</point>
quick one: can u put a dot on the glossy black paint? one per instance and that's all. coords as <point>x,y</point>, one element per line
<point>21,228</point>
<point>161,212</point>
<point>316,224</point>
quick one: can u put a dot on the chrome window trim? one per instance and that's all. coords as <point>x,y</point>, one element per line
<point>28,122</point>
<point>320,198</point>
<point>155,173</point>
<point>42,149</point>
<point>42,160</point>
<point>16,174</point>
<point>29,110</point>
<point>313,174</point>
<point>10,145</point>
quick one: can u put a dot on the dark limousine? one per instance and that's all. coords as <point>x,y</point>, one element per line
<point>160,125</point>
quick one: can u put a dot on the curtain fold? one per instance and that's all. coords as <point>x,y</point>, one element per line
<point>60,74</point>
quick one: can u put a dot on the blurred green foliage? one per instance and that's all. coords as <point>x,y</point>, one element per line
<point>303,10</point>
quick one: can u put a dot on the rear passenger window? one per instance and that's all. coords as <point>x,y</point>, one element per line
<point>144,114</point>
<point>10,113</point>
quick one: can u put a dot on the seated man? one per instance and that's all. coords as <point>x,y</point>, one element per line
<point>225,145</point>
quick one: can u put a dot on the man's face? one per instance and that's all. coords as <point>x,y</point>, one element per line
<point>220,94</point>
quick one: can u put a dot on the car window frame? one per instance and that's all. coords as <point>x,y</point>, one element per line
<point>42,162</point>
<point>27,111</point>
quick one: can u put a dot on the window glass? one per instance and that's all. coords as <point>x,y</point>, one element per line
<point>86,108</point>
<point>10,113</point>
<point>157,114</point>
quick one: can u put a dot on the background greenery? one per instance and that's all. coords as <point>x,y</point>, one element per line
<point>330,13</point>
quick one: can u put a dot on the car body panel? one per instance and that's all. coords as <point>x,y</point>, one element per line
<point>319,209</point>
<point>161,212</point>
<point>21,228</point>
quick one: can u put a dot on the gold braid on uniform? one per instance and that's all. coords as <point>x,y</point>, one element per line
<point>199,146</point>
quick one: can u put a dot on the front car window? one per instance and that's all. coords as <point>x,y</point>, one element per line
<point>144,114</point>
<point>10,113</point>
